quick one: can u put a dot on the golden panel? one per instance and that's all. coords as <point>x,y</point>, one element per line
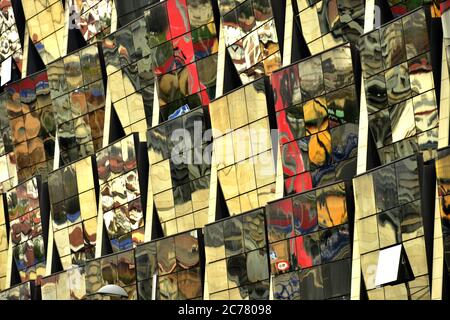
<point>3,238</point>
<point>88,204</point>
<point>223,151</point>
<point>160,175</point>
<point>234,206</point>
<point>397,292</point>
<point>185,223</point>
<point>246,174</point>
<point>237,109</point>
<point>415,250</point>
<point>115,83</point>
<point>62,286</point>
<point>249,201</point>
<point>135,110</point>
<point>3,261</point>
<point>420,288</point>
<point>217,276</point>
<point>264,169</point>
<point>170,227</point>
<point>85,178</point>
<point>364,201</point>
<point>368,234</point>
<point>62,242</point>
<point>200,199</point>
<point>266,194</point>
<point>166,207</point>
<point>220,296</point>
<point>310,24</point>
<point>242,143</point>
<point>369,264</point>
<point>220,119</point>
<point>201,218</point>
<point>376,294</point>
<point>236,294</point>
<point>228,180</point>
<point>121,108</point>
<point>257,106</point>
<point>260,136</point>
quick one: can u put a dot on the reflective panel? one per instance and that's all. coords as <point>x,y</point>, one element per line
<point>317,116</point>
<point>116,269</point>
<point>78,96</point>
<point>314,230</point>
<point>236,259</point>
<point>94,18</point>
<point>74,212</point>
<point>175,263</point>
<point>243,147</point>
<point>26,232</point>
<point>180,171</point>
<point>251,37</point>
<point>32,124</point>
<point>11,45</point>
<point>389,212</point>
<point>399,84</point>
<point>120,194</point>
<point>45,24</point>
<point>185,65</point>
<point>326,24</point>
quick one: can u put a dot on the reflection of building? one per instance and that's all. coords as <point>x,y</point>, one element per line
<point>321,184</point>
<point>399,84</point>
<point>180,176</point>
<point>121,201</point>
<point>326,24</point>
<point>28,218</point>
<point>74,212</point>
<point>392,212</point>
<point>78,99</point>
<point>236,258</point>
<point>309,244</point>
<point>171,268</point>
<point>317,115</point>
<point>10,41</point>
<point>243,147</point>
<point>31,118</point>
<point>251,37</point>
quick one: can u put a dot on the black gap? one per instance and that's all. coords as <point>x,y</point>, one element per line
<point>216,12</point>
<point>19,17</point>
<point>436,36</point>
<point>56,260</point>
<point>445,282</point>
<point>221,205</point>
<point>373,158</point>
<point>231,77</point>
<point>15,275</point>
<point>143,167</point>
<point>157,231</point>
<point>300,48</point>
<point>44,206</point>
<point>106,243</point>
<point>270,100</point>
<point>385,11</point>
<point>101,57</point>
<point>428,182</point>
<point>76,41</point>
<point>116,131</point>
<point>34,61</point>
<point>279,14</point>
